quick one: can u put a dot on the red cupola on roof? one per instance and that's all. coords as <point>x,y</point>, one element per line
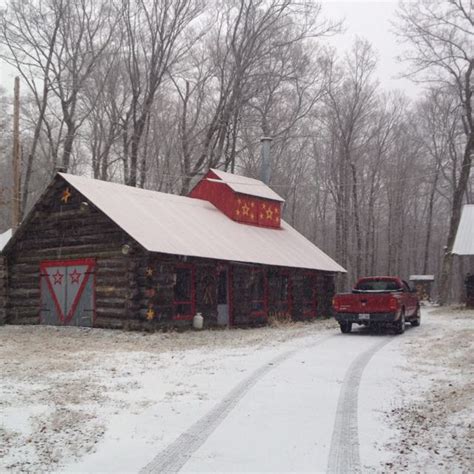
<point>242,199</point>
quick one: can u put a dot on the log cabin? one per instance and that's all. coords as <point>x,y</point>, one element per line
<point>99,254</point>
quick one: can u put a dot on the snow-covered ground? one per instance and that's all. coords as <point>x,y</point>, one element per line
<point>299,397</point>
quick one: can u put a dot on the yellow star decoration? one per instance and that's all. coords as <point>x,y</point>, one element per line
<point>269,213</point>
<point>150,314</point>
<point>261,216</point>
<point>263,206</point>
<point>237,212</point>
<point>252,204</point>
<point>149,272</point>
<point>252,216</point>
<point>66,195</point>
<point>245,210</point>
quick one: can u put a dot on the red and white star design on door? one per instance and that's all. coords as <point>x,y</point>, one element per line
<point>65,282</point>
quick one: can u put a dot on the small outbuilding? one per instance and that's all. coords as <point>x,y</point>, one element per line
<point>423,285</point>
<point>464,247</point>
<point>95,253</point>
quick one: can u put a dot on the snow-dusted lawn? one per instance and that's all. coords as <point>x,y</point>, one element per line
<point>234,400</point>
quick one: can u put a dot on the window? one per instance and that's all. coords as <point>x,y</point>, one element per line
<point>184,301</point>
<point>258,293</point>
<point>378,285</point>
<point>310,302</point>
<point>284,292</point>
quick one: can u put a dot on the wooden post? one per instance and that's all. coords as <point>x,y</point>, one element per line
<point>16,165</point>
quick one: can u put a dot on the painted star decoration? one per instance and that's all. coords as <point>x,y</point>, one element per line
<point>251,211</point>
<point>75,276</point>
<point>149,272</point>
<point>58,277</point>
<point>66,195</point>
<point>150,314</point>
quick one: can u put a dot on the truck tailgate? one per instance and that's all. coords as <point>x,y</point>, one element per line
<point>364,302</point>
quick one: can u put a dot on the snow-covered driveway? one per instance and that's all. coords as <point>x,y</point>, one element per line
<point>300,415</point>
<point>294,398</point>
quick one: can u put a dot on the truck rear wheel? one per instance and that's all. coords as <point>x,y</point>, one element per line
<point>400,324</point>
<point>417,319</point>
<point>345,327</point>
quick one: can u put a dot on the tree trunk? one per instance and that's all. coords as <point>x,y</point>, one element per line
<point>446,271</point>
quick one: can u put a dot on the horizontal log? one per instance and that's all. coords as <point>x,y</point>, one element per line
<point>59,242</point>
<point>64,254</point>
<point>17,281</point>
<point>112,313</point>
<point>23,293</point>
<point>23,312</point>
<point>109,323</point>
<point>112,291</point>
<point>23,320</point>
<point>77,226</point>
<point>115,303</point>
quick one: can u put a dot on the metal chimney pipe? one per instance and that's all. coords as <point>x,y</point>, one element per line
<point>265,169</point>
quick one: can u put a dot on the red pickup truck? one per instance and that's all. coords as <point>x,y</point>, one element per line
<point>378,301</point>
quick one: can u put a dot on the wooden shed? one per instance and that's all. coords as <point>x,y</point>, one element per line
<point>423,285</point>
<point>464,248</point>
<point>95,253</point>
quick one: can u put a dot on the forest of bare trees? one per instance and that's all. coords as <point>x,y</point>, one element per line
<point>152,93</point>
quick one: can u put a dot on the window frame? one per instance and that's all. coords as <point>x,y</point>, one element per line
<point>192,301</point>
<point>289,290</point>
<point>264,300</point>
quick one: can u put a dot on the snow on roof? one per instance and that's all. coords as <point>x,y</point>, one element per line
<point>250,186</point>
<point>180,225</point>
<point>422,277</point>
<point>4,238</point>
<point>464,242</point>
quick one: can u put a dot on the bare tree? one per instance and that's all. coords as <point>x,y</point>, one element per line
<point>154,34</point>
<point>440,38</point>
<point>350,104</point>
<point>55,45</point>
<point>247,42</point>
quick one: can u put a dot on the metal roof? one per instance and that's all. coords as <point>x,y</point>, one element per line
<point>464,242</point>
<point>422,277</point>
<point>181,225</point>
<point>4,238</point>
<point>244,185</point>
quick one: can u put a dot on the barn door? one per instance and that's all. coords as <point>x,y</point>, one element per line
<point>67,292</point>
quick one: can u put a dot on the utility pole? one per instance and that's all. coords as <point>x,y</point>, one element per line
<point>16,165</point>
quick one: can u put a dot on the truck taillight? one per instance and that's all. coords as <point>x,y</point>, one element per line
<point>335,304</point>
<point>393,304</point>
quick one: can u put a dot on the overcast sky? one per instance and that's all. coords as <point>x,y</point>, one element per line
<point>369,19</point>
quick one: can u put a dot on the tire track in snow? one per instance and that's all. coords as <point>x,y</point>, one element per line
<point>174,457</point>
<point>344,452</point>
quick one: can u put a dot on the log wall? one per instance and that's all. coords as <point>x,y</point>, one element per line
<point>58,230</point>
<point>3,290</point>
